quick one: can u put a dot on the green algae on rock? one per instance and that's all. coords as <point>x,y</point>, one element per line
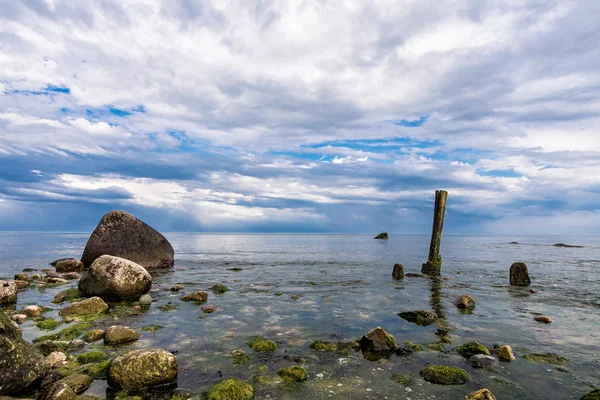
<point>402,379</point>
<point>69,333</point>
<point>200,296</point>
<point>139,369</point>
<point>294,373</point>
<point>413,346</point>
<point>444,375</point>
<point>118,334</point>
<point>67,295</point>
<point>96,370</point>
<point>419,317</point>
<point>93,356</point>
<point>58,391</point>
<point>546,358</point>
<point>79,383</point>
<point>261,344</point>
<point>324,346</point>
<point>94,335</point>
<point>93,305</point>
<point>378,340</point>
<point>230,389</point>
<point>219,288</point>
<point>48,324</point>
<point>436,346</point>
<point>469,349</point>
<point>593,395</point>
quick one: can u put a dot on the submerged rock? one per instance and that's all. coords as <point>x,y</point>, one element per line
<point>295,373</point>
<point>24,361</point>
<point>219,288</point>
<point>505,353</point>
<point>419,317</point>
<point>94,335</point>
<point>261,344</point>
<point>483,394</point>
<point>382,236</point>
<point>481,361</point>
<point>593,395</point>
<point>8,292</point>
<point>470,349</point>
<point>208,309</point>
<point>324,346</point>
<point>66,295</point>
<point>378,340</point>
<point>115,278</point>
<point>93,356</point>
<point>566,245</point>
<point>443,375</point>
<point>230,389</point>
<point>118,334</point>
<point>199,296</point>
<point>69,266</point>
<point>139,369</point>
<point>398,272</point>
<point>519,275</point>
<point>546,358</point>
<point>122,235</point>
<point>465,301</point>
<point>543,318</point>
<point>93,305</point>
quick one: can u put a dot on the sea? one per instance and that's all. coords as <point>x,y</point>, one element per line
<point>295,289</point>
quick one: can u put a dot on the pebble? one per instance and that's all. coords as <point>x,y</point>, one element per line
<point>543,318</point>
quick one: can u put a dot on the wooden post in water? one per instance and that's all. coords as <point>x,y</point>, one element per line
<point>434,262</point>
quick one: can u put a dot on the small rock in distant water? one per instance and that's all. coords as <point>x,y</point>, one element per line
<point>69,266</point>
<point>140,369</point>
<point>543,318</point>
<point>412,275</point>
<point>120,234</point>
<point>398,272</point>
<point>532,291</point>
<point>444,375</point>
<point>145,300</point>
<point>236,269</point>
<point>177,288</point>
<point>513,243</point>
<point>32,311</point>
<point>519,275</point>
<point>199,296</point>
<point>219,288</point>
<point>93,305</point>
<point>505,353</point>
<point>209,309</point>
<point>483,394</point>
<point>419,317</point>
<point>464,301</point>
<point>8,292</point>
<point>566,245</point>
<point>470,349</point>
<point>378,340</point>
<point>546,358</point>
<point>481,361</point>
<point>382,236</point>
<point>55,262</point>
<point>118,334</point>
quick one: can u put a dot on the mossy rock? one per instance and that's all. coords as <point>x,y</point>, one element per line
<point>219,288</point>
<point>436,346</point>
<point>48,324</point>
<point>69,333</point>
<point>124,395</point>
<point>79,383</point>
<point>413,346</point>
<point>67,295</point>
<point>93,305</point>
<point>94,335</point>
<point>402,379</point>
<point>261,344</point>
<point>444,375</point>
<point>469,349</point>
<point>48,346</point>
<point>240,359</point>
<point>96,371</point>
<point>93,356</point>
<point>141,369</point>
<point>345,348</point>
<point>262,368</point>
<point>546,358</point>
<point>593,395</point>
<point>324,346</point>
<point>230,389</point>
<point>295,373</point>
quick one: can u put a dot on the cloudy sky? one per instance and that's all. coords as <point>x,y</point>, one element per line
<point>301,116</point>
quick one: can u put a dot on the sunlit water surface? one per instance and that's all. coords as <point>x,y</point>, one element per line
<point>295,289</point>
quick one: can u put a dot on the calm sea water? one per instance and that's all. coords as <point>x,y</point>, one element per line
<point>295,289</point>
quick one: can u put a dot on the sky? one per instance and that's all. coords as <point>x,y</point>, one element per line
<point>337,116</point>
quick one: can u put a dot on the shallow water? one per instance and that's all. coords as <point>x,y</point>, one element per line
<point>295,289</point>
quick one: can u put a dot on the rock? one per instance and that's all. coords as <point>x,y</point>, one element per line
<point>566,245</point>
<point>505,353</point>
<point>76,344</point>
<point>443,375</point>
<point>419,317</point>
<point>21,284</point>
<point>55,358</point>
<point>209,309</point>
<point>60,281</point>
<point>219,288</point>
<point>71,276</point>
<point>199,296</point>
<point>261,344</point>
<point>470,349</point>
<point>398,272</point>
<point>55,262</point>
<point>32,311</point>
<point>382,236</point>
<point>465,301</point>
<point>411,275</point>
<point>324,346</point>
<point>481,361</point>
<point>546,358</point>
<point>91,357</point>
<point>483,394</point>
<point>47,347</point>
<point>230,389</point>
<point>378,340</point>
<point>294,374</point>
<point>68,294</point>
<point>94,335</point>
<point>237,269</point>
<point>122,235</point>
<point>145,300</point>
<point>8,292</point>
<point>543,318</point>
<point>593,395</point>
<point>79,383</point>
<point>58,391</point>
<point>24,361</point>
<point>21,277</point>
<point>93,305</point>
<point>69,266</point>
<point>19,318</point>
<point>139,369</point>
<point>177,288</point>
<point>519,276</point>
<point>117,334</point>
<point>114,278</point>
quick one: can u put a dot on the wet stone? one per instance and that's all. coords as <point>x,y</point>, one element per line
<point>199,296</point>
<point>519,275</point>
<point>93,305</point>
<point>546,358</point>
<point>465,302</point>
<point>505,353</point>
<point>94,335</point>
<point>444,375</point>
<point>419,317</point>
<point>378,340</point>
<point>543,318</point>
<point>481,361</point>
<point>117,334</point>
<point>483,394</point>
<point>470,349</point>
<point>398,272</point>
<point>69,266</point>
<point>58,391</point>
<point>8,292</point>
<point>208,309</point>
<point>139,369</point>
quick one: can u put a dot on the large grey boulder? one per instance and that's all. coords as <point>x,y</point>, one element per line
<point>519,275</point>
<point>139,369</point>
<point>8,292</point>
<point>23,361</point>
<point>123,235</point>
<point>115,278</point>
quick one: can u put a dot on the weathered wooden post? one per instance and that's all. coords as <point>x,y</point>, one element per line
<point>434,262</point>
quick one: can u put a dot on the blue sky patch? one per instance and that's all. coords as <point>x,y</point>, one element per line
<point>499,173</point>
<point>412,123</point>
